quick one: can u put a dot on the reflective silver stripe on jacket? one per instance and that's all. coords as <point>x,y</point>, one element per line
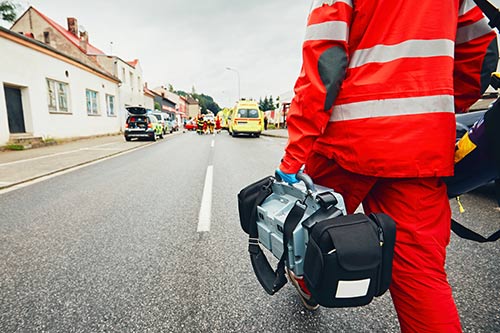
<point>334,30</point>
<point>407,49</point>
<point>393,107</point>
<point>466,6</point>
<point>472,31</point>
<point>319,3</point>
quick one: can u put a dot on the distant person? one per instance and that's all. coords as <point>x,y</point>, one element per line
<point>205,126</point>
<point>373,72</point>
<point>265,123</point>
<point>211,126</point>
<point>217,125</point>
<point>199,124</point>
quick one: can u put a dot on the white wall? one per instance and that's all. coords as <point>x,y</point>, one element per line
<point>131,93</point>
<point>149,102</point>
<point>24,67</point>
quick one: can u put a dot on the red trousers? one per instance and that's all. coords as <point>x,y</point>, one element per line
<point>419,289</point>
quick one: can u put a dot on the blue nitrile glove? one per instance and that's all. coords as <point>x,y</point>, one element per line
<point>290,178</point>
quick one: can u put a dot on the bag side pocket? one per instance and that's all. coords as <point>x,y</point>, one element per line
<point>387,232</point>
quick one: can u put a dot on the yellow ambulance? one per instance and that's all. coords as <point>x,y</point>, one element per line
<point>246,118</point>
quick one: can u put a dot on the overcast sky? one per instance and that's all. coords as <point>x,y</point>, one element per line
<point>190,43</point>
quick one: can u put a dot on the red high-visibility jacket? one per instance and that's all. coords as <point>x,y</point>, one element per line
<point>381,80</point>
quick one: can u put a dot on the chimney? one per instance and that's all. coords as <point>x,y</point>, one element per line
<point>73,26</point>
<point>84,40</point>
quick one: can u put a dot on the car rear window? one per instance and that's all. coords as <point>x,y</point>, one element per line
<point>137,119</point>
<point>248,113</point>
<point>157,116</point>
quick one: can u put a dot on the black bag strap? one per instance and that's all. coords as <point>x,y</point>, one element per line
<point>466,233</point>
<point>490,11</point>
<point>271,280</point>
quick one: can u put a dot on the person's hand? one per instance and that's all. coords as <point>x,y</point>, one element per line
<point>290,178</point>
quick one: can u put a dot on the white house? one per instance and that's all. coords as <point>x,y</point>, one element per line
<point>48,93</point>
<point>131,90</point>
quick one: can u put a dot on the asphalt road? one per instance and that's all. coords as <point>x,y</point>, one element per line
<point>114,247</point>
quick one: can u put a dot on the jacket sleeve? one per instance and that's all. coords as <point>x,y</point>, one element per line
<point>324,64</point>
<point>476,56</point>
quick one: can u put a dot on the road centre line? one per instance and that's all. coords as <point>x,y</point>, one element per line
<point>213,143</point>
<point>206,202</point>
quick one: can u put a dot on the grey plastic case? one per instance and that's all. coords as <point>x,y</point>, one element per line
<point>271,215</point>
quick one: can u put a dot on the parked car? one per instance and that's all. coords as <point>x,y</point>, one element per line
<point>173,124</point>
<point>142,124</point>
<point>190,125</point>
<point>162,119</point>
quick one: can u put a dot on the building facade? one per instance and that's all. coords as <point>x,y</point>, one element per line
<point>50,94</point>
<point>131,89</point>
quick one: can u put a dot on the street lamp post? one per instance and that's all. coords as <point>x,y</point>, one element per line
<point>235,70</point>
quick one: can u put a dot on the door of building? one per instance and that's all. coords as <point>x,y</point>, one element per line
<point>14,109</point>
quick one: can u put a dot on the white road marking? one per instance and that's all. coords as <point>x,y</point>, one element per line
<point>213,143</point>
<point>61,153</point>
<point>206,202</point>
<point>100,149</point>
<point>106,144</point>
<point>39,157</point>
<point>62,172</point>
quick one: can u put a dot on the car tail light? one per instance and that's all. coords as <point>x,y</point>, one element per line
<point>150,125</point>
<point>126,125</point>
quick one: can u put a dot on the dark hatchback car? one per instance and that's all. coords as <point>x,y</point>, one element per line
<point>142,124</point>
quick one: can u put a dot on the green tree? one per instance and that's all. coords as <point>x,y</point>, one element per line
<point>206,102</point>
<point>266,104</point>
<point>8,11</point>
<point>170,87</point>
<point>271,103</point>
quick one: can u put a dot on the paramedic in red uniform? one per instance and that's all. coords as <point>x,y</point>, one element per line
<point>373,118</point>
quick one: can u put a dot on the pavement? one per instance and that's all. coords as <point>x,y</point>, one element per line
<point>19,167</point>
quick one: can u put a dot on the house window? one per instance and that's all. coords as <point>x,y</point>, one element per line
<point>139,86</point>
<point>57,93</point>
<point>46,37</point>
<point>92,102</point>
<point>131,80</point>
<point>123,75</point>
<point>110,105</point>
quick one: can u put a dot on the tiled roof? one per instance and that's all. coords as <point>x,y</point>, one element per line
<point>72,38</point>
<point>133,63</point>
<point>149,92</point>
<point>50,51</point>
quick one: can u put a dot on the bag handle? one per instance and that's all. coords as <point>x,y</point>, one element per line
<point>271,280</point>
